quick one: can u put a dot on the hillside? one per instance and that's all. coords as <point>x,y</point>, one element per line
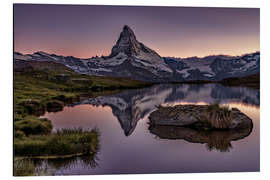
<point>252,81</point>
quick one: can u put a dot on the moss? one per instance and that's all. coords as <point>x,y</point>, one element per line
<point>62,143</point>
<point>33,125</point>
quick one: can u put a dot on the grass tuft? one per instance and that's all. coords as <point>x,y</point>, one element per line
<point>218,116</point>
<point>33,125</point>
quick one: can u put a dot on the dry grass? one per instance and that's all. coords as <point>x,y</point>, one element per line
<point>218,117</point>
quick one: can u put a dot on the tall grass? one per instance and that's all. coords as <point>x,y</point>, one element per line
<point>218,117</point>
<point>32,125</point>
<point>63,143</point>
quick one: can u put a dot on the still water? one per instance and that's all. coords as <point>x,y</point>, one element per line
<point>127,146</point>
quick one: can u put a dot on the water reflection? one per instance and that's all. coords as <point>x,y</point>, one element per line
<point>139,151</point>
<point>46,167</point>
<point>215,140</point>
<point>131,106</point>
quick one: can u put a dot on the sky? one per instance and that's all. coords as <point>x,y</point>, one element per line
<point>85,31</point>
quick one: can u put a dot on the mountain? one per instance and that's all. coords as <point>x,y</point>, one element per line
<point>132,59</point>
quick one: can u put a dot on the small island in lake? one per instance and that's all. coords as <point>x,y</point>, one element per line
<point>213,124</point>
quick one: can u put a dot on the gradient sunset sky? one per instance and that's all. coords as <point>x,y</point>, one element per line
<point>85,31</point>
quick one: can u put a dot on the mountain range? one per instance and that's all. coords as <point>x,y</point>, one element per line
<point>132,59</point>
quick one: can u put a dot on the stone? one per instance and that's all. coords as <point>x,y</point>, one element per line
<point>192,115</point>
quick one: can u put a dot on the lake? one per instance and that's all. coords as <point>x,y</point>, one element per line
<point>128,147</point>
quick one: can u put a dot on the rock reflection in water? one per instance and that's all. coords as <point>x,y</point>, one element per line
<point>214,139</point>
<point>131,106</point>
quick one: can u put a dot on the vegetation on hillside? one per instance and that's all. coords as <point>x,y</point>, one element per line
<point>252,81</point>
<point>47,86</point>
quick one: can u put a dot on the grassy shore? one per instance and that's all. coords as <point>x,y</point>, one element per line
<point>46,86</point>
<point>63,143</point>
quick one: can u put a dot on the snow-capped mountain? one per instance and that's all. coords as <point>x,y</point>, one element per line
<point>132,59</point>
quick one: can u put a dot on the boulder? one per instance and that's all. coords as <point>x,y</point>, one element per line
<point>189,123</point>
<point>196,116</point>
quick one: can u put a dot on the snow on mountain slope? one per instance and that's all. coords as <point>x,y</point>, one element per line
<point>132,59</point>
<point>215,67</point>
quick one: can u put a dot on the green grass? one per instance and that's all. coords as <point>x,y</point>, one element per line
<point>64,143</point>
<point>49,87</point>
<point>33,90</point>
<point>32,125</point>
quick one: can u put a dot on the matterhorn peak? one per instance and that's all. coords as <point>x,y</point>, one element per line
<point>128,44</point>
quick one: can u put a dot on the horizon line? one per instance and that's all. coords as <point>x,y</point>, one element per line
<point>176,57</point>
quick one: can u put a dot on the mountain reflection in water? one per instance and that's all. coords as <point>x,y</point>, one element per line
<point>139,150</point>
<point>131,106</point>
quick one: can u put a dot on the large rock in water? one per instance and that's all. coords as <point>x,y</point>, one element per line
<point>179,122</point>
<point>191,115</point>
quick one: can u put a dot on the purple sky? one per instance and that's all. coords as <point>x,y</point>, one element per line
<point>85,31</point>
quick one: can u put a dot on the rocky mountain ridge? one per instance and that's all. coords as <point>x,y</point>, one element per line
<point>132,59</point>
